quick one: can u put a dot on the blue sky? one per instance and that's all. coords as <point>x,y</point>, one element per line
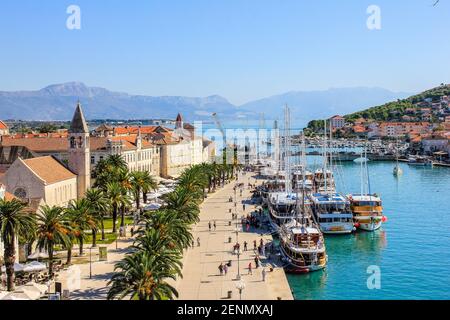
<point>240,49</point>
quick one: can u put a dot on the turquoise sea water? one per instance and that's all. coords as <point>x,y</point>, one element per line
<point>412,249</point>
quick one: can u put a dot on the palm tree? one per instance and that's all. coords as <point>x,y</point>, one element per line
<point>108,170</point>
<point>142,181</point>
<point>116,161</point>
<point>124,178</point>
<point>141,276</point>
<point>14,221</point>
<point>171,227</point>
<point>99,205</point>
<point>81,219</point>
<point>53,228</point>
<point>117,199</point>
<point>193,180</point>
<point>184,203</point>
<point>207,172</point>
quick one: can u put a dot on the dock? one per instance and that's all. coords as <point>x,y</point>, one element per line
<point>201,277</point>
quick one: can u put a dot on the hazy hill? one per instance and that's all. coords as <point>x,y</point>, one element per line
<point>56,102</point>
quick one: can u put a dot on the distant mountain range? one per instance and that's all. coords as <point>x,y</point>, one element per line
<point>56,102</point>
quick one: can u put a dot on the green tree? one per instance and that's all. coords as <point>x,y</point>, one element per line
<point>141,182</point>
<point>142,276</point>
<point>99,205</point>
<point>14,222</point>
<point>81,219</point>
<point>53,228</point>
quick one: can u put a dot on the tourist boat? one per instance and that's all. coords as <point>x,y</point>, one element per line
<point>302,246</point>
<point>366,207</point>
<point>281,208</point>
<point>281,204</point>
<point>419,161</point>
<point>367,211</point>
<point>332,213</point>
<point>324,180</point>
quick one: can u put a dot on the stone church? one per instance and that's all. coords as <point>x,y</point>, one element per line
<point>46,180</point>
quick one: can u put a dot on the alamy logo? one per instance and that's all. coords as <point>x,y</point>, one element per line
<point>374,280</point>
<point>74,20</point>
<point>374,19</point>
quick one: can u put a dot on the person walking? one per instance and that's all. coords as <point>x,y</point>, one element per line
<point>209,226</point>
<point>256,262</point>
<point>225,269</point>
<point>254,245</point>
<point>198,242</point>
<point>221,269</point>
<point>245,245</point>
<point>215,225</point>
<point>243,207</point>
<point>263,273</point>
<point>250,268</point>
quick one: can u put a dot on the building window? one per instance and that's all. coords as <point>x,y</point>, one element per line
<point>92,159</point>
<point>20,193</point>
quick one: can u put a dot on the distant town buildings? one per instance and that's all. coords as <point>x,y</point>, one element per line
<point>337,122</point>
<point>54,168</point>
<point>4,130</point>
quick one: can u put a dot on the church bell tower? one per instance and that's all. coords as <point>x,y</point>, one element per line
<point>79,152</point>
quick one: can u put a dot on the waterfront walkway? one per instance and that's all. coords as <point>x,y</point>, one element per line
<point>201,277</point>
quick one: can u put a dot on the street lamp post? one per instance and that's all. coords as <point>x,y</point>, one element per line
<point>240,286</point>
<point>90,263</point>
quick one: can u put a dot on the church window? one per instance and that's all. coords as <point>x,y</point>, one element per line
<point>20,193</point>
<point>72,143</point>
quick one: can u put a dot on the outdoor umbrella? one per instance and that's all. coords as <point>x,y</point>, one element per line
<point>34,266</point>
<point>152,206</point>
<point>17,267</point>
<point>38,255</point>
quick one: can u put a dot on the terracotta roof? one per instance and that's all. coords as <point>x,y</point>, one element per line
<point>134,130</point>
<point>38,144</point>
<point>163,138</point>
<point>49,169</point>
<point>359,129</point>
<point>3,125</point>
<point>51,144</point>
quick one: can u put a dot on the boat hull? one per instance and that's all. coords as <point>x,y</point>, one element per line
<point>369,226</point>
<point>293,269</point>
<point>297,269</point>
<point>336,229</point>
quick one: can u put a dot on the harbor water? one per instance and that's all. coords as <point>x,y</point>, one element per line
<point>411,251</point>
